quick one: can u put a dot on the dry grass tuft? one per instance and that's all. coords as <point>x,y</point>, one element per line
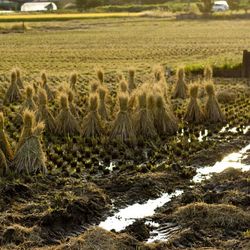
<point>4,142</point>
<point>180,89</point>
<point>29,157</point>
<point>194,112</point>
<point>43,113</point>
<point>66,123</point>
<point>144,121</point>
<point>13,93</point>
<point>213,112</point>
<point>213,215</point>
<point>123,130</point>
<point>165,121</point>
<point>92,127</point>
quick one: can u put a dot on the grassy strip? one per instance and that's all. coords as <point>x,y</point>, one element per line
<point>62,17</point>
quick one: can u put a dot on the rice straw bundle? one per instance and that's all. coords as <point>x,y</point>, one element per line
<point>158,74</point>
<point>3,164</point>
<point>92,124</point>
<point>213,112</point>
<point>180,89</point>
<point>100,75</point>
<point>194,112</point>
<point>94,87</point>
<point>123,130</point>
<point>73,80</point>
<point>13,93</point>
<point>4,142</point>
<point>165,121</point>
<point>102,109</point>
<point>18,79</point>
<point>43,113</point>
<point>144,123</point>
<point>50,93</point>
<point>208,73</point>
<point>29,99</point>
<point>131,80</point>
<point>123,87</point>
<point>66,123</point>
<point>28,123</point>
<point>72,105</point>
<point>29,157</point>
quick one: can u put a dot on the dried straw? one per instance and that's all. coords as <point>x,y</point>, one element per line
<point>13,93</point>
<point>19,80</point>
<point>131,80</point>
<point>123,130</point>
<point>4,142</point>
<point>73,80</point>
<point>180,89</point>
<point>3,164</point>
<point>92,127</point>
<point>194,112</point>
<point>50,93</point>
<point>165,121</point>
<point>102,109</point>
<point>144,122</point>
<point>30,158</point>
<point>66,123</point>
<point>43,113</point>
<point>213,112</point>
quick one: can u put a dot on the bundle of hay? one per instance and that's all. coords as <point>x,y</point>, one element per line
<point>73,80</point>
<point>165,121</point>
<point>100,75</point>
<point>66,123</point>
<point>151,106</point>
<point>180,89</point>
<point>43,113</point>
<point>72,105</point>
<point>144,123</point>
<point>102,109</point>
<point>194,112</point>
<point>50,93</point>
<point>92,124</point>
<point>18,79</point>
<point>123,87</point>
<point>94,87</point>
<point>123,130</point>
<point>3,164</point>
<point>29,99</point>
<point>13,93</point>
<point>213,112</point>
<point>208,73</point>
<point>131,80</point>
<point>4,142</point>
<point>28,124</point>
<point>29,157</point>
<point>158,74</point>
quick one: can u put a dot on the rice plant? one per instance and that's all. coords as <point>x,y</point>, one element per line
<point>73,80</point>
<point>102,107</point>
<point>131,80</point>
<point>72,105</point>
<point>29,99</point>
<point>180,88</point>
<point>45,85</point>
<point>19,79</point>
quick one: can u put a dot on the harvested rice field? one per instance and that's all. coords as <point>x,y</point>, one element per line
<point>111,140</point>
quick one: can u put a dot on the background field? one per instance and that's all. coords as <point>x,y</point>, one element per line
<point>116,44</point>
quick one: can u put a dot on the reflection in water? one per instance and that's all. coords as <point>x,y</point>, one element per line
<point>231,160</point>
<point>125,217</point>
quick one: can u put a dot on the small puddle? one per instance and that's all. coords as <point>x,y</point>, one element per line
<point>235,130</point>
<point>126,216</point>
<point>232,160</point>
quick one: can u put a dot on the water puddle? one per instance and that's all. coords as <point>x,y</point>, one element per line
<point>126,216</point>
<point>231,160</point>
<point>234,130</point>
